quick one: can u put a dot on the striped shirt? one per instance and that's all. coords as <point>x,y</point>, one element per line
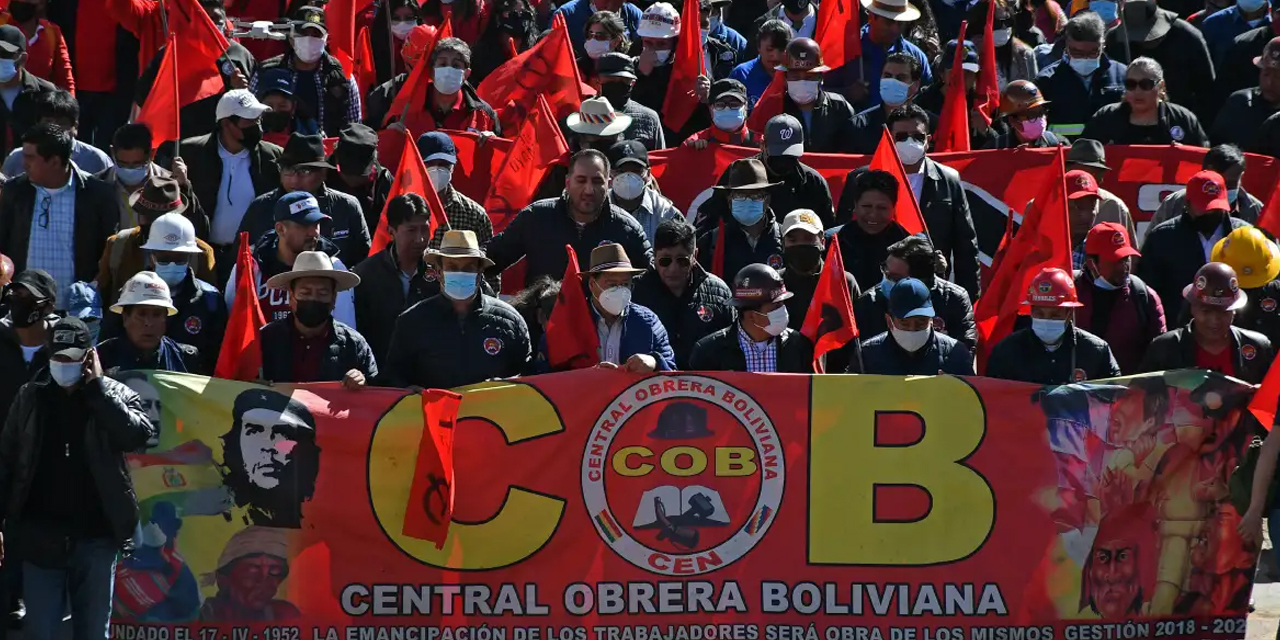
<point>52,240</point>
<point>762,357</point>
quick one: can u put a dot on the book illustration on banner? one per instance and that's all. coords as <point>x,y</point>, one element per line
<point>677,513</point>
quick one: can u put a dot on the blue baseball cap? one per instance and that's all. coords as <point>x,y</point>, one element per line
<point>435,145</point>
<point>275,80</point>
<point>300,207</point>
<point>909,298</point>
<point>969,60</point>
<point>84,302</point>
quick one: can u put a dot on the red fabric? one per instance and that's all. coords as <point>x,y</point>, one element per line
<point>142,18</point>
<point>366,72</point>
<point>1222,362</point>
<point>468,30</point>
<point>411,177</point>
<point>831,294</point>
<point>907,211</point>
<point>241,355</point>
<point>839,27</point>
<point>48,57</point>
<point>1269,219</point>
<point>717,254</point>
<point>1264,402</point>
<point>953,125</point>
<point>538,146</point>
<point>547,68</point>
<point>412,97</point>
<point>433,472</point>
<point>988,90</point>
<point>572,342</point>
<point>680,101</point>
<point>160,111</point>
<point>202,45</point>
<point>340,18</point>
<point>95,37</point>
<point>770,102</point>
<point>307,355</point>
<point>743,137</point>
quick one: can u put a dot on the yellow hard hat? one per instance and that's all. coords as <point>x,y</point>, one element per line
<point>1255,258</point>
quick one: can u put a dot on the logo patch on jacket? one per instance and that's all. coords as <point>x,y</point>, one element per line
<point>193,325</point>
<point>704,313</point>
<point>775,261</point>
<point>1248,352</point>
<point>940,325</point>
<point>1078,375</point>
<point>492,346</point>
<point>1268,304</point>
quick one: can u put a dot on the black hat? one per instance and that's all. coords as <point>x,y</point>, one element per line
<point>1087,153</point>
<point>38,281</point>
<point>616,65</point>
<point>304,151</point>
<point>12,40</point>
<point>357,150</point>
<point>158,196</point>
<point>968,60</point>
<point>681,421</point>
<point>70,338</point>
<point>757,285</point>
<point>309,16</point>
<point>727,87</point>
<point>627,151</point>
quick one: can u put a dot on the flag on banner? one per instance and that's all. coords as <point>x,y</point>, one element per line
<point>430,507</point>
<point>160,111</point>
<point>202,45</point>
<point>340,18</point>
<point>411,177</point>
<point>680,102</point>
<point>547,68</point>
<point>1044,240</point>
<point>907,211</point>
<point>412,97</point>
<point>538,145</point>
<point>829,323</point>
<point>241,354</point>
<point>717,255</point>
<point>987,95</point>
<point>572,342</point>
<point>839,32</point>
<point>769,104</point>
<point>953,124</point>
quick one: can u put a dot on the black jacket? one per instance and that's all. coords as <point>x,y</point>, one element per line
<point>864,254</point>
<point>1262,314</point>
<point>721,351</point>
<point>1265,140</point>
<point>1189,74</point>
<point>802,287</point>
<point>14,370</point>
<point>1171,256</point>
<point>832,129</point>
<point>96,218</point>
<point>372,197</point>
<point>204,168</point>
<point>1110,125</point>
<point>431,347</point>
<point>1074,103</point>
<point>346,225</point>
<point>702,310</point>
<point>15,122</point>
<point>380,298</point>
<point>201,320</point>
<point>118,354</point>
<point>117,426</point>
<point>868,129</point>
<point>347,350</point>
<point>333,85</point>
<point>804,189</point>
<point>950,302</point>
<point>1177,350</point>
<point>1237,70</point>
<point>882,355</point>
<point>1240,119</point>
<point>1023,357</point>
<point>738,252</point>
<point>541,230</point>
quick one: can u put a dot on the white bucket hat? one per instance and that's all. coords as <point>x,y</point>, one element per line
<point>314,264</point>
<point>172,232</point>
<point>596,117</point>
<point>145,288</point>
<point>896,10</point>
<point>660,20</point>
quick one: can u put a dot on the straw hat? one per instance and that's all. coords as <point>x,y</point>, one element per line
<point>314,264</point>
<point>896,10</point>
<point>456,244</point>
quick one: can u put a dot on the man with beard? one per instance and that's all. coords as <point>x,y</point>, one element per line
<point>251,569</point>
<point>270,457</point>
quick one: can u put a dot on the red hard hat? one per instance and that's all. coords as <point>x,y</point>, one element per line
<point>1052,288</point>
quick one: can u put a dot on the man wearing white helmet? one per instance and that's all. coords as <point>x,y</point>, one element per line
<point>145,307</point>
<point>659,31</point>
<point>173,251</point>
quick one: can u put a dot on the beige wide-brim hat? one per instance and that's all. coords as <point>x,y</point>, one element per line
<point>897,10</point>
<point>596,117</point>
<point>610,258</point>
<point>314,264</point>
<point>456,244</point>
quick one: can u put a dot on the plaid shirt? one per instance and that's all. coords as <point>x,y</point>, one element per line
<point>53,222</point>
<point>463,214</point>
<point>1077,257</point>
<point>354,113</point>
<point>762,357</point>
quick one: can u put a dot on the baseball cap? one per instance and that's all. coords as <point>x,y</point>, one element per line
<point>969,61</point>
<point>615,65</point>
<point>38,281</point>
<point>1207,191</point>
<point>309,17</point>
<point>276,79</point>
<point>1110,242</point>
<point>240,103</point>
<point>84,302</point>
<point>70,337</point>
<point>804,219</point>
<point>627,152</point>
<point>435,145</point>
<point>12,40</point>
<point>300,207</point>
<point>1080,184</point>
<point>784,136</point>
<point>909,298</point>
<point>728,87</point>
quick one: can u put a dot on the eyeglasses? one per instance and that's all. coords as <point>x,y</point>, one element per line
<point>683,261</point>
<point>903,137</point>
<point>299,171</point>
<point>1146,84</point>
<point>45,204</point>
<point>757,197</point>
<point>599,35</point>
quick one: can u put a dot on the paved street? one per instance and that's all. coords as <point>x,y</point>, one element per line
<point>1265,620</point>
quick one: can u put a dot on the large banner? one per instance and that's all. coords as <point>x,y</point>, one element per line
<point>596,505</point>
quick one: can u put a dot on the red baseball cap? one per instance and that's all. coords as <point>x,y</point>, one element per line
<point>1207,191</point>
<point>1080,184</point>
<point>1110,242</point>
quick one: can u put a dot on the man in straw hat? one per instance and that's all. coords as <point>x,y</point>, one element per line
<point>310,345</point>
<point>250,570</point>
<point>751,232</point>
<point>145,307</point>
<point>759,342</point>
<point>462,336</point>
<point>631,336</point>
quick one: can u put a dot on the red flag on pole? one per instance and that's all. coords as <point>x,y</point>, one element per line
<point>412,98</point>
<point>829,323</point>
<point>572,342</point>
<point>340,18</point>
<point>907,212</point>
<point>363,67</point>
<point>202,45</point>
<point>241,354</point>
<point>953,125</point>
<point>160,111</point>
<point>987,97</point>
<point>769,104</point>
<point>1269,220</point>
<point>538,145</point>
<point>430,507</point>
<point>717,255</point>
<point>547,68</point>
<point>839,32</point>
<point>411,177</point>
<point>680,102</point>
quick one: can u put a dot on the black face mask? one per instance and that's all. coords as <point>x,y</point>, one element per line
<point>22,11</point>
<point>24,312</point>
<point>618,93</point>
<point>1205,224</point>
<point>802,257</point>
<point>251,136</point>
<point>312,313</point>
<point>276,121</point>
<point>784,165</point>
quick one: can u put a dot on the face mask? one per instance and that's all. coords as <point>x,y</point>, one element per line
<point>8,69</point>
<point>401,28</point>
<point>894,91</point>
<point>912,341</point>
<point>706,35</point>
<point>1106,9</point>
<point>803,91</point>
<point>312,313</point>
<point>1000,37</point>
<point>778,320</point>
<point>22,11</point>
<point>24,312</point>
<point>440,177</point>
<point>173,273</point>
<point>618,93</point>
<point>1207,223</point>
<point>614,300</point>
<point>597,48</point>
<point>309,48</point>
<point>276,121</point>
<point>661,57</point>
<point>1032,129</point>
<point>1232,194</point>
<point>715,22</point>
<point>153,536</point>
<point>66,374</point>
<point>1049,331</point>
<point>910,151</point>
<point>729,119</point>
<point>783,165</point>
<point>132,176</point>
<point>1105,284</point>
<point>802,257</point>
<point>1084,66</point>
<point>448,80</point>
<point>886,285</point>
<point>459,285</point>
<point>747,211</point>
<point>251,136</point>
<point>628,186</point>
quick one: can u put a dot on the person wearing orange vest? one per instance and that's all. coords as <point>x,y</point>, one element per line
<point>47,55</point>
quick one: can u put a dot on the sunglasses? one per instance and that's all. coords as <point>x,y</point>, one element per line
<point>903,137</point>
<point>1146,84</point>
<point>599,35</point>
<point>683,261</point>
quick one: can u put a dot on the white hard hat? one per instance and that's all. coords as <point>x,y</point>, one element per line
<point>172,232</point>
<point>145,288</point>
<point>660,20</point>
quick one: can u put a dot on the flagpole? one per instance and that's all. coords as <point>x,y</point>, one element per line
<point>391,44</point>
<point>177,101</point>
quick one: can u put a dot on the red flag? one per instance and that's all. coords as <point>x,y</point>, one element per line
<point>411,177</point>
<point>907,212</point>
<point>717,255</point>
<point>769,104</point>
<point>953,125</point>
<point>829,323</point>
<point>572,342</point>
<point>241,354</point>
<point>412,98</point>
<point>538,145</point>
<point>1043,240</point>
<point>1269,220</point>
<point>160,111</point>
<point>340,17</point>
<point>547,68</point>
<point>430,507</point>
<point>680,102</point>
<point>202,45</point>
<point>1265,399</point>
<point>363,67</point>
<point>558,22</point>
<point>839,32</point>
<point>987,97</point>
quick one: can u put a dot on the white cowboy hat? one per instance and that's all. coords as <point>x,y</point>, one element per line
<point>897,10</point>
<point>597,117</point>
<point>314,264</point>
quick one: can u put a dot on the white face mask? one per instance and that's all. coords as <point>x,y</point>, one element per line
<point>401,28</point>
<point>309,48</point>
<point>440,177</point>
<point>596,48</point>
<point>912,341</point>
<point>662,56</point>
<point>1000,37</point>
<point>448,80</point>
<point>66,374</point>
<point>803,91</point>
<point>614,300</point>
<point>1049,331</point>
<point>778,320</point>
<point>628,186</point>
<point>910,151</point>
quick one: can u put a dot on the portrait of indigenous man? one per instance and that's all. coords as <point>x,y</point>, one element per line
<point>250,570</point>
<point>269,457</point>
<point>1119,577</point>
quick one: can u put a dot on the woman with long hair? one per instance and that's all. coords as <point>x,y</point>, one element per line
<point>1145,115</point>
<point>924,31</point>
<point>605,33</point>
<point>384,39</point>
<point>512,22</point>
<point>468,18</point>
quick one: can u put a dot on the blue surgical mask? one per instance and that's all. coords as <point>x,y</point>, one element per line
<point>173,273</point>
<point>1083,66</point>
<point>1232,194</point>
<point>706,35</point>
<point>747,211</point>
<point>1049,331</point>
<point>1106,9</point>
<point>885,286</point>
<point>459,285</point>
<point>7,70</point>
<point>894,91</point>
<point>1250,6</point>
<point>132,176</point>
<point>729,119</point>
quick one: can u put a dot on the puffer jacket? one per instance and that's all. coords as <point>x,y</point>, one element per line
<point>954,312</point>
<point>347,350</point>
<point>346,225</point>
<point>1024,358</point>
<point>1177,350</point>
<point>721,351</point>
<point>702,310</point>
<point>831,129</point>
<point>431,347</point>
<point>882,355</point>
<point>117,425</point>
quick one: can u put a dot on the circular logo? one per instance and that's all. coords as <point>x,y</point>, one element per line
<point>228,69</point>
<point>429,274</point>
<point>1045,286</point>
<point>1234,284</point>
<point>1248,271</point>
<point>492,346</point>
<point>939,325</point>
<point>1201,283</point>
<point>1177,133</point>
<point>171,238</point>
<point>1248,352</point>
<point>1268,304</point>
<point>775,261</point>
<point>1117,239</point>
<point>704,313</point>
<point>1078,375</point>
<point>193,325</point>
<point>683,475</point>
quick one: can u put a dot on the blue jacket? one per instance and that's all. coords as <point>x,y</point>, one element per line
<point>642,332</point>
<point>752,76</point>
<point>576,12</point>
<point>872,63</point>
<point>883,356</point>
<point>1221,28</point>
<point>731,37</point>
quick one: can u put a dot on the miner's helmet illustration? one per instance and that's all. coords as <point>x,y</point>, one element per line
<point>681,421</point>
